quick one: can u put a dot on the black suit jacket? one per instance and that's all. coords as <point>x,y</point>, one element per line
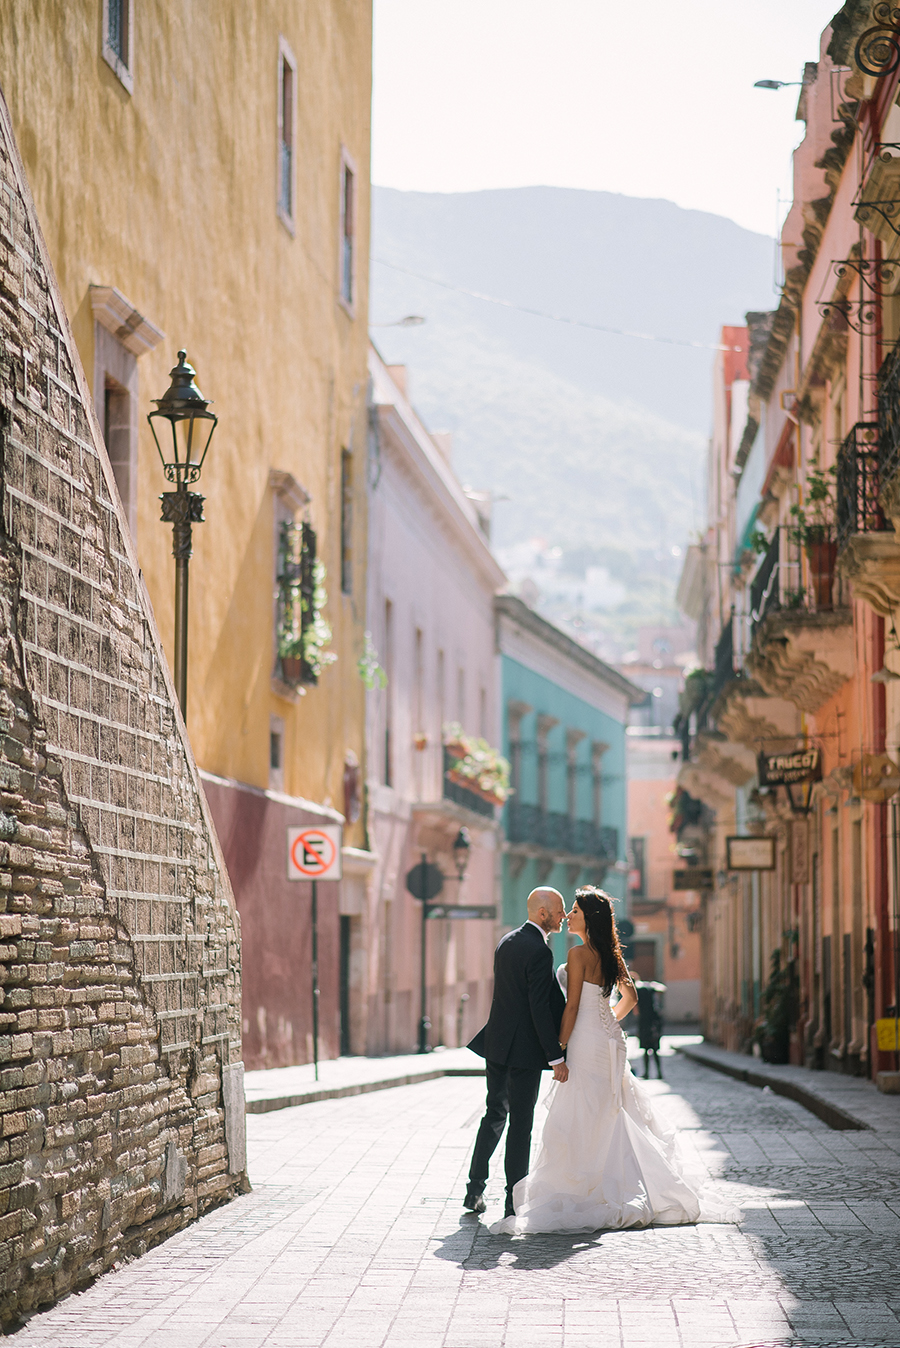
<point>528,1004</point>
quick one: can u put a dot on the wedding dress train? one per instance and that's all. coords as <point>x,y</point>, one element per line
<point>605,1160</point>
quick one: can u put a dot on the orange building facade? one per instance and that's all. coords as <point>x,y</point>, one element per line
<point>791,730</point>
<point>666,945</point>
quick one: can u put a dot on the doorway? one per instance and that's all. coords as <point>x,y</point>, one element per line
<point>344,985</point>
<point>643,961</point>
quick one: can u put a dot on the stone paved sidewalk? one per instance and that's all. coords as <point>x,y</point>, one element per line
<point>842,1101</point>
<point>338,1078</point>
<point>354,1237</point>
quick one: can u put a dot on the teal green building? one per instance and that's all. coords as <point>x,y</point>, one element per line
<point>564,718</point>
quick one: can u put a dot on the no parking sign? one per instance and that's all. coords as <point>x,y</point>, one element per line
<point>314,853</point>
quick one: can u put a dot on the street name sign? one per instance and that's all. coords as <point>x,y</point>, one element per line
<point>458,910</point>
<point>314,853</point>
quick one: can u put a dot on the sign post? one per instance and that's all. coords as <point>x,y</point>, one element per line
<point>424,882</point>
<point>314,854</point>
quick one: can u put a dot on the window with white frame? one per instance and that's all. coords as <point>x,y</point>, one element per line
<point>348,233</point>
<point>287,80</point>
<point>121,336</point>
<point>117,47</point>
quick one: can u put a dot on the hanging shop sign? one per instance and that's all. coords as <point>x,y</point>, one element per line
<point>751,854</point>
<point>876,777</point>
<point>790,769</point>
<point>695,877</point>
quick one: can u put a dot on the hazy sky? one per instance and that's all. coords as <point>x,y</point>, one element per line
<point>651,98</point>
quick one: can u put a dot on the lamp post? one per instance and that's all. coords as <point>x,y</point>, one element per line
<point>186,410</point>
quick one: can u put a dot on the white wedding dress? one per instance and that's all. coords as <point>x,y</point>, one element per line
<point>605,1159</point>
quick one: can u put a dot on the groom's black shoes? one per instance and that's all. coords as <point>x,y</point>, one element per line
<point>474,1202</point>
<point>510,1210</point>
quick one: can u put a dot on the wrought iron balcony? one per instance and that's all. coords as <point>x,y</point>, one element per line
<point>868,484</point>
<point>765,587</point>
<point>461,795</point>
<point>724,660</point>
<point>553,832</point>
<point>889,416</point>
<point>859,476</point>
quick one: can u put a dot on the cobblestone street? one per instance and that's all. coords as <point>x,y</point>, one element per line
<point>354,1235</point>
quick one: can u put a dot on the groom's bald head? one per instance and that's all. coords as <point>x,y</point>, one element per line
<point>546,908</point>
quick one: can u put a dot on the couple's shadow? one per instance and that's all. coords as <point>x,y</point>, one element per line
<point>472,1247</point>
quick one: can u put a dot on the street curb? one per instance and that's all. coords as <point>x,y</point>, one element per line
<point>833,1115</point>
<point>310,1097</point>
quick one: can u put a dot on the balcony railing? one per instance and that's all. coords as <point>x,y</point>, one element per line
<point>558,833</point>
<point>764,590</point>
<point>724,660</point>
<point>461,795</point>
<point>859,478</point>
<point>889,416</point>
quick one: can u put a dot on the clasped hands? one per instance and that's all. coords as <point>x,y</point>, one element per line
<point>560,1072</point>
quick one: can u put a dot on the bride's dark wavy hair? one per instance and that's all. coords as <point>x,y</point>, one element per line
<point>600,924</point>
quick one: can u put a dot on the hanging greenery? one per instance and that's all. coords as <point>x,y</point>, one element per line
<point>814,520</point>
<point>368,668</point>
<point>303,634</point>
<point>684,809</point>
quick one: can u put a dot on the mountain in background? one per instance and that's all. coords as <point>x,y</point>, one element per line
<point>597,440</point>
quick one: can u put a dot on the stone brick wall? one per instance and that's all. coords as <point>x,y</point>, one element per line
<point>121,1112</point>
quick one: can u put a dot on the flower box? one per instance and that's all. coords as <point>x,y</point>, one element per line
<point>460,779</point>
<point>292,668</point>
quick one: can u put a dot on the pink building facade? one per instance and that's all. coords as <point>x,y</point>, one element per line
<point>432,579</point>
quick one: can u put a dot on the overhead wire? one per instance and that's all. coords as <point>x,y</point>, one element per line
<point>555,318</point>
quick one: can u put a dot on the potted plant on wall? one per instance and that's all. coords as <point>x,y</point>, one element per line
<point>476,765</point>
<point>814,531</point>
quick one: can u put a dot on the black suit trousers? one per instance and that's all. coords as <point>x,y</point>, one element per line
<point>511,1091</point>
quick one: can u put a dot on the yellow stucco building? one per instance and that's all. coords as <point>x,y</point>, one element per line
<point>201,175</point>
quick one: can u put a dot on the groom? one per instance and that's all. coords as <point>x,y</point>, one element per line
<point>520,1040</point>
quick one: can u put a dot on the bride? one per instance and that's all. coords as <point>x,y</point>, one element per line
<point>605,1161</point>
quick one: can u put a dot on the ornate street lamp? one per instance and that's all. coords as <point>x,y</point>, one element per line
<point>461,846</point>
<point>192,424</point>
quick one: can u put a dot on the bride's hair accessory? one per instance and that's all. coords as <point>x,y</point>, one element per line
<point>600,924</point>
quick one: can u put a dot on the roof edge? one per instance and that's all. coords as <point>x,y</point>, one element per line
<point>512,607</point>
